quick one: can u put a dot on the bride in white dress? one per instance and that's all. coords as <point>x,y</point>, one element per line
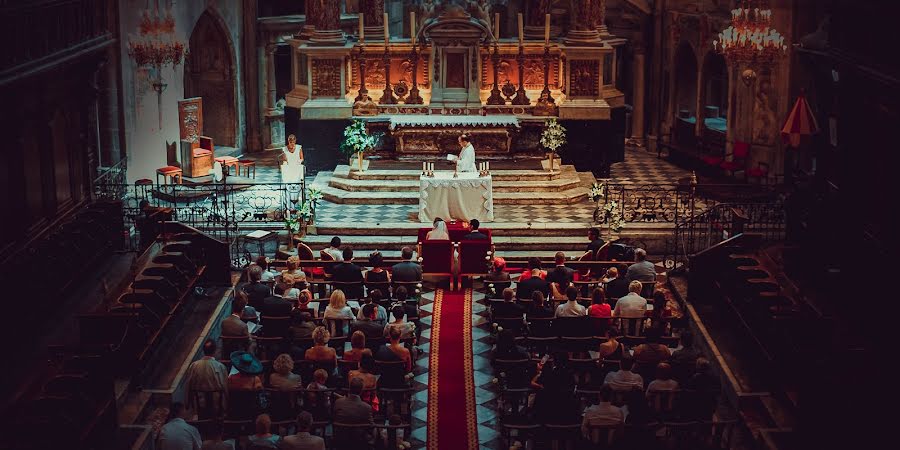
<point>291,161</point>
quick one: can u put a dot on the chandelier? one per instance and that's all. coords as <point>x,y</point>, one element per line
<point>156,46</point>
<point>750,40</point>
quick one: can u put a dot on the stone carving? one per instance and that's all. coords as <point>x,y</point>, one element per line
<point>329,14</point>
<point>375,73</point>
<point>326,78</point>
<point>504,71</point>
<point>764,125</point>
<point>480,9</point>
<point>583,10</point>
<point>583,78</point>
<point>406,69</point>
<point>365,107</point>
<point>534,72</point>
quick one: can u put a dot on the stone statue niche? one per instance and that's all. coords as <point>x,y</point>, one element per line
<point>456,38</point>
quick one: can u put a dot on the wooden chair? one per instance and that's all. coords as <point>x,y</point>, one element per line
<point>384,287</point>
<point>231,344</point>
<point>390,432</point>
<point>392,373</point>
<point>474,257</point>
<point>738,162</point>
<point>350,436</point>
<point>413,288</point>
<point>352,289</point>
<point>604,436</point>
<point>168,172</point>
<point>563,436</point>
<point>275,326</point>
<point>514,373</point>
<point>284,405</point>
<point>208,404</point>
<point>269,347</point>
<point>396,401</point>
<point>662,402</point>
<point>436,258</point>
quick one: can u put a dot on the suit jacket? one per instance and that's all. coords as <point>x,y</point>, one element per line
<point>643,271</point>
<point>507,309</point>
<point>561,275</point>
<point>369,328</point>
<point>256,293</point>
<point>276,307</point>
<point>406,271</point>
<point>234,326</point>
<point>475,235</point>
<point>524,289</point>
<point>348,272</point>
<point>302,441</point>
<point>617,288</point>
<point>352,410</point>
<point>595,245</point>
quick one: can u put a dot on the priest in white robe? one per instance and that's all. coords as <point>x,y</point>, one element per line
<point>465,162</point>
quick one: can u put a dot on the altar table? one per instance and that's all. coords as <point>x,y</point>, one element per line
<point>464,198</point>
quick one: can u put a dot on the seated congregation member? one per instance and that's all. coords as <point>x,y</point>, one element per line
<point>263,438</point>
<point>631,306</point>
<point>650,353</point>
<point>320,350</point>
<point>347,272</point>
<point>276,305</point>
<point>303,440</point>
<point>398,349</point>
<point>233,326</point>
<point>303,299</point>
<point>474,234</point>
<point>366,373</point>
<point>663,381</point>
<point>539,307</point>
<point>508,307</point>
<point>268,274</point>
<point>351,409</point>
<point>439,232</point>
<point>571,308</point>
<point>408,270</point>
<point>177,434</point>
<point>561,275</point>
<point>378,313</point>
<point>302,325</point>
<point>535,282</point>
<point>407,329</point>
<point>377,274</point>
<point>706,387</point>
<point>367,324</point>
<point>624,379</point>
<point>256,290</point>
<point>337,309</point>
<point>507,348</point>
<point>595,241</point>
<point>334,249</point>
<point>410,307</point>
<point>599,307</point>
<point>533,263</point>
<point>603,413</point>
<point>616,286</point>
<point>555,400</point>
<point>612,349</point>
<point>498,271</point>
<point>294,270</point>
<point>394,351</point>
<point>248,370</point>
<point>357,346</point>
<point>206,374</point>
<point>687,355</point>
<point>642,270</point>
<point>214,438</point>
<point>282,376</point>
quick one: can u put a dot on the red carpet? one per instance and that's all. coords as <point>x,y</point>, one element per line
<point>451,388</point>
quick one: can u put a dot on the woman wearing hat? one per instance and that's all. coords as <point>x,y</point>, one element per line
<point>248,370</point>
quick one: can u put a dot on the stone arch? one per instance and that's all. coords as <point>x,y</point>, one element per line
<point>209,72</point>
<point>685,69</point>
<point>714,83</point>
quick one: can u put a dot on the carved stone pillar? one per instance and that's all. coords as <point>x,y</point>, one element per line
<point>312,18</point>
<point>273,134</point>
<point>600,18</point>
<point>537,11</point>
<point>585,30</point>
<point>637,113</point>
<point>373,19</point>
<point>328,23</point>
<point>271,48</point>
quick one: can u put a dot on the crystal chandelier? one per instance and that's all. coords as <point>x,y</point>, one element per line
<point>750,40</point>
<point>156,46</point>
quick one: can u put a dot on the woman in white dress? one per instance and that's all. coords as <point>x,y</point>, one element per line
<point>439,233</point>
<point>291,161</point>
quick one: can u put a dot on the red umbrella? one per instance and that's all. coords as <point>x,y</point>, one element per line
<point>800,123</point>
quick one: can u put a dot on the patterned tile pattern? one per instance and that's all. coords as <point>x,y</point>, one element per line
<point>643,167</point>
<point>374,214</point>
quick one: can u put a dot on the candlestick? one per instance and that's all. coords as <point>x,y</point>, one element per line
<point>412,26</point>
<point>546,29</point>
<point>362,28</point>
<point>496,27</point>
<point>387,30</point>
<point>423,167</point>
<point>521,30</point>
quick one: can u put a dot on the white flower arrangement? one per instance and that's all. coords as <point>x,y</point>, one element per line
<point>598,191</point>
<point>554,135</point>
<point>613,216</point>
<point>357,138</point>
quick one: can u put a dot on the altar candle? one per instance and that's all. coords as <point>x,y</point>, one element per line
<point>387,30</point>
<point>546,29</point>
<point>423,166</point>
<point>488,168</point>
<point>521,30</point>
<point>496,27</point>
<point>412,26</point>
<point>362,29</point>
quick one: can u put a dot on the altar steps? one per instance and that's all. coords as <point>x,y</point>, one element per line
<point>355,185</point>
<point>343,171</point>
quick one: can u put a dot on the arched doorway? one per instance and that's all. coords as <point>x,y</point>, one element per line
<point>209,73</point>
<point>685,82</point>
<point>714,97</point>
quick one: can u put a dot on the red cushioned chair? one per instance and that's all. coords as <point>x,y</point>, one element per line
<point>436,258</point>
<point>738,162</point>
<point>475,256</point>
<point>760,172</point>
<point>169,172</point>
<point>306,254</point>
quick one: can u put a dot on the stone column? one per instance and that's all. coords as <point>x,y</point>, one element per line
<point>600,18</point>
<point>253,115</point>
<point>534,28</point>
<point>328,24</point>
<point>585,30</point>
<point>311,13</point>
<point>271,48</point>
<point>637,113</point>
<point>373,19</point>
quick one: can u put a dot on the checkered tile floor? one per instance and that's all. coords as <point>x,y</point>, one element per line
<point>376,214</point>
<point>643,167</point>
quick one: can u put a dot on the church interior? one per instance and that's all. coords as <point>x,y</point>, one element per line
<point>461,224</point>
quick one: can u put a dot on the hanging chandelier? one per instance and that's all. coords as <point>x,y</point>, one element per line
<point>750,40</point>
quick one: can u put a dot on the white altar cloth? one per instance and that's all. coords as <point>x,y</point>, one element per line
<point>465,198</point>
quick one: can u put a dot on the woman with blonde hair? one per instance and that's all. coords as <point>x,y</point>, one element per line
<point>337,309</point>
<point>282,378</point>
<point>320,351</point>
<point>294,269</point>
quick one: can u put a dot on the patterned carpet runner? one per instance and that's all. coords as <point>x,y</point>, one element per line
<point>451,387</point>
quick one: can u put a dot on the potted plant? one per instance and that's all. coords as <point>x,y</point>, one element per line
<point>297,222</point>
<point>553,137</point>
<point>607,212</point>
<point>357,140</point>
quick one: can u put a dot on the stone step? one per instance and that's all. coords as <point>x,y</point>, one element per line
<point>369,185</point>
<point>505,243</point>
<point>343,171</point>
<point>567,196</point>
<point>497,229</point>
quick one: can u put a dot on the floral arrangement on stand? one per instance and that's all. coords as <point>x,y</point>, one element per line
<point>607,211</point>
<point>357,140</point>
<point>553,138</point>
<point>296,222</point>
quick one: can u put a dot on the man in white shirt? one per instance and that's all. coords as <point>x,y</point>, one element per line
<point>465,162</point>
<point>178,434</point>
<point>631,306</point>
<point>571,308</point>
<point>603,413</point>
<point>624,379</point>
